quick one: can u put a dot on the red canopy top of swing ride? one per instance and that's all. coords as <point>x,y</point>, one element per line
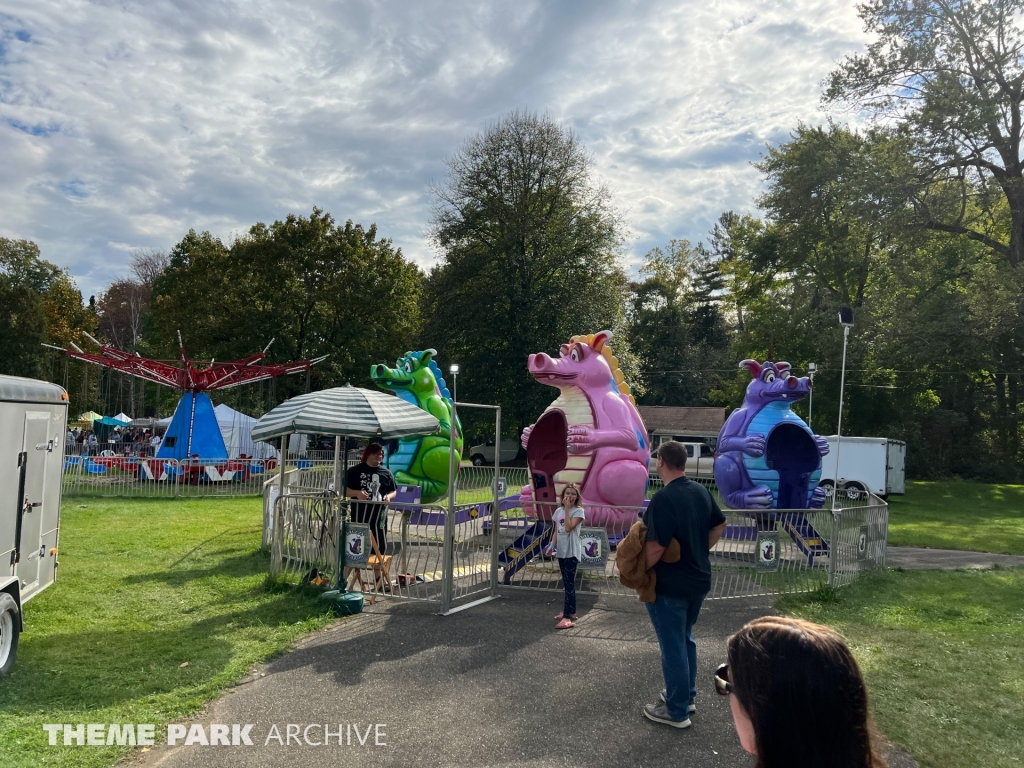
<point>190,376</point>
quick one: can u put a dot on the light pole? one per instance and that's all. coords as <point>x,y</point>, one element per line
<point>812,368</point>
<point>845,320</point>
<point>453,369</point>
<point>449,518</point>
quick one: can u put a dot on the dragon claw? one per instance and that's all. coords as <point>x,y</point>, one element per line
<point>818,497</point>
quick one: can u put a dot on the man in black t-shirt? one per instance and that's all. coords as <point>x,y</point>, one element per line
<point>685,511</point>
<point>370,481</point>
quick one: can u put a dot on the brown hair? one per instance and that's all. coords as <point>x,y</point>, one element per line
<point>803,691</point>
<point>673,453</point>
<point>573,487</point>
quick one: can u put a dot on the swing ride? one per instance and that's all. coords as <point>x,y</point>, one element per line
<point>194,442</point>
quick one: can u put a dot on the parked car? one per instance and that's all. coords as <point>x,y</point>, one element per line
<point>866,464</point>
<point>700,461</point>
<point>483,454</point>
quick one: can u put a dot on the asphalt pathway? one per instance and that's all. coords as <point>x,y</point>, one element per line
<point>918,558</point>
<point>494,685</point>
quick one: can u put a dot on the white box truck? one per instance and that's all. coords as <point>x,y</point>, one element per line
<point>866,465</point>
<point>33,426</point>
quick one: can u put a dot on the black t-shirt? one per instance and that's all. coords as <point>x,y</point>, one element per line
<point>378,482</point>
<point>683,510</point>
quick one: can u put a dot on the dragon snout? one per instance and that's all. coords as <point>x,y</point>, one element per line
<point>791,382</point>
<point>380,370</point>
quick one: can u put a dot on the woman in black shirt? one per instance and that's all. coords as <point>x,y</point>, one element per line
<point>369,481</point>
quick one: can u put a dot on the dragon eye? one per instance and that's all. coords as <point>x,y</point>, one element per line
<point>769,377</point>
<point>408,366</point>
<point>575,354</point>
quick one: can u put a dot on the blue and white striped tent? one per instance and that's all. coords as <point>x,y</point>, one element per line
<point>347,411</point>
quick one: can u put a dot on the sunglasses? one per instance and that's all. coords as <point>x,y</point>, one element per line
<point>722,685</point>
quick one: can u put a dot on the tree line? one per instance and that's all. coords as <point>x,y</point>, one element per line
<point>916,222</point>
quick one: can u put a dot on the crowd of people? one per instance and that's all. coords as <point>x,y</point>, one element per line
<point>119,442</point>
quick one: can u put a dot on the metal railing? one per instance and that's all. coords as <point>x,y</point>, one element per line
<point>147,477</point>
<point>406,554</point>
<point>761,553</point>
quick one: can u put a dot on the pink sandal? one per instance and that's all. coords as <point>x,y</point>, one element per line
<point>565,624</point>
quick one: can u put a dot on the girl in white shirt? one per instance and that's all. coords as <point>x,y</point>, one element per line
<point>568,548</point>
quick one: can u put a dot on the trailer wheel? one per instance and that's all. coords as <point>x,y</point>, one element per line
<point>10,627</point>
<point>828,487</point>
<point>854,491</point>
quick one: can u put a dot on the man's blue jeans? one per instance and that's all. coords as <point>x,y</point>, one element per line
<point>673,619</point>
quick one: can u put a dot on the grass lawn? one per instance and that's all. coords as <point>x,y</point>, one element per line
<point>959,515</point>
<point>943,656</point>
<point>159,605</point>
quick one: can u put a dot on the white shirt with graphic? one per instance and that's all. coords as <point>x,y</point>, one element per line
<point>568,544</point>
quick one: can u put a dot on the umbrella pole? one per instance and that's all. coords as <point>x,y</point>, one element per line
<point>276,558</point>
<point>338,487</point>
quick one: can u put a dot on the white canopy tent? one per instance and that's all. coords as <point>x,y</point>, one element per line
<point>123,417</point>
<point>236,429</point>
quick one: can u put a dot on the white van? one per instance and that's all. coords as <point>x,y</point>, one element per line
<point>33,427</point>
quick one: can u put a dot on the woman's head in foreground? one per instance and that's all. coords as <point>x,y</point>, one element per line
<point>798,697</point>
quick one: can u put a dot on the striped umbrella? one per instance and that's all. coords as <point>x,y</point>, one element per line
<point>348,410</point>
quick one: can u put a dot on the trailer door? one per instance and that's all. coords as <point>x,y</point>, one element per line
<point>35,447</point>
<point>895,467</point>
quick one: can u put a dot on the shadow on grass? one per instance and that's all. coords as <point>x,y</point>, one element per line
<point>102,668</point>
<point>235,566</point>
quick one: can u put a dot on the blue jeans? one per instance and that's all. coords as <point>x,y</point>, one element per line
<point>673,619</point>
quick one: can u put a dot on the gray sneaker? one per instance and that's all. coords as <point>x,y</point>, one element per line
<point>659,714</point>
<point>664,692</point>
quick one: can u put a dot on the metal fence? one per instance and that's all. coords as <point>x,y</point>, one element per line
<point>405,554</point>
<point>766,553</point>
<point>141,477</point>
<point>149,477</point>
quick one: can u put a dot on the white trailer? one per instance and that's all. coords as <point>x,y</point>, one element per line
<point>33,425</point>
<point>866,464</point>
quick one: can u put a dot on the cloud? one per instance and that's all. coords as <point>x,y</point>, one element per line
<point>124,124</point>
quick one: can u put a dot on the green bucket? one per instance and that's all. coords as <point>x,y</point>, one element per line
<point>344,603</point>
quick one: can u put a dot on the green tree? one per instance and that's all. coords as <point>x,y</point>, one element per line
<point>951,72</point>
<point>40,304</point>
<point>529,257</point>
<point>677,325</point>
<point>315,287</point>
<point>22,329</point>
<point>950,75</point>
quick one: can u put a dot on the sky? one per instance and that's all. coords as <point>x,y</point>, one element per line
<point>125,124</point>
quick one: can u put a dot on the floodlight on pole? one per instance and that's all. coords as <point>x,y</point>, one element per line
<point>453,369</point>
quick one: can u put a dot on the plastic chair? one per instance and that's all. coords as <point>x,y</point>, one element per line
<point>303,464</point>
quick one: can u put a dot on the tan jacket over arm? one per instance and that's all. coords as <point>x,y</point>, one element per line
<point>631,557</point>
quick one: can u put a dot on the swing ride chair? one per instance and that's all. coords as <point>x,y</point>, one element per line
<point>193,448</point>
